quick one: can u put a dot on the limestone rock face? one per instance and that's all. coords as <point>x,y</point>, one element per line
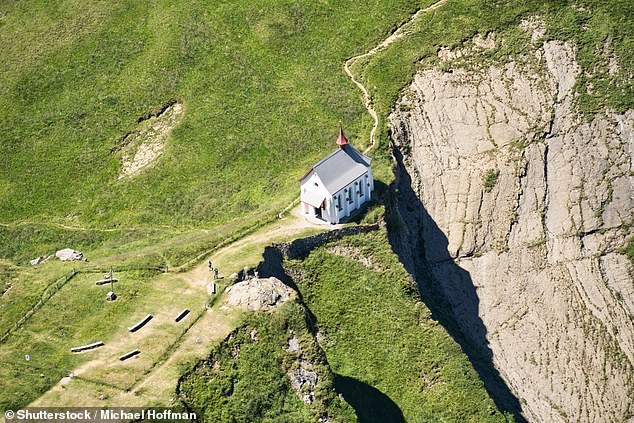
<point>304,381</point>
<point>258,294</point>
<point>528,262</point>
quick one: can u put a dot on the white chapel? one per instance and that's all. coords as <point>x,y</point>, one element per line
<point>337,185</point>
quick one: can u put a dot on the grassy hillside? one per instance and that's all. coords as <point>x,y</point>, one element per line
<point>77,315</point>
<point>262,89</point>
<point>245,377</point>
<point>260,82</point>
<point>392,361</point>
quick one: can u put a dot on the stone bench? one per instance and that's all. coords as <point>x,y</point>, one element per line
<point>105,281</point>
<point>142,323</point>
<point>87,347</point>
<point>182,315</point>
<point>129,355</point>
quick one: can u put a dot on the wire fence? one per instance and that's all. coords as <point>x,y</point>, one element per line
<point>49,291</point>
<point>56,285</point>
<point>59,283</point>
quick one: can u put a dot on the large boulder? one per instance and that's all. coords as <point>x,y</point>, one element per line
<point>68,254</point>
<point>258,294</point>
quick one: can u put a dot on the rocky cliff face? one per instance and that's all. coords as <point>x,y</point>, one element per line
<point>518,207</point>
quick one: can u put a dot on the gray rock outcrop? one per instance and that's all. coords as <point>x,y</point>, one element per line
<point>530,265</point>
<point>142,147</point>
<point>258,294</point>
<point>304,381</point>
<point>68,254</point>
<point>302,375</point>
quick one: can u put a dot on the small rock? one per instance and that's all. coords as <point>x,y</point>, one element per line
<point>487,42</point>
<point>304,381</point>
<point>293,345</point>
<point>37,261</point>
<point>321,338</point>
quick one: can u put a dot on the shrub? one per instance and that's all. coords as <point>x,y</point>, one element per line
<point>489,179</point>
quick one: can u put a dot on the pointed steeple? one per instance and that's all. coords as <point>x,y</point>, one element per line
<point>341,141</point>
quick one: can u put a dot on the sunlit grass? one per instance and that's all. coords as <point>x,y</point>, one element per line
<point>377,332</point>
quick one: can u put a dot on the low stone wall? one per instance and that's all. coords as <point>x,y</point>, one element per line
<point>275,254</point>
<point>300,248</point>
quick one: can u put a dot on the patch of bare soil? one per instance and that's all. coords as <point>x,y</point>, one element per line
<point>143,146</point>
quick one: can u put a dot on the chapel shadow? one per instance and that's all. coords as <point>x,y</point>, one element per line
<point>422,248</point>
<point>370,404</point>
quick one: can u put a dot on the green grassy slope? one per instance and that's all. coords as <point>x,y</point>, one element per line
<point>263,91</point>
<point>260,81</point>
<point>245,377</point>
<point>262,88</point>
<point>394,362</point>
<point>77,314</point>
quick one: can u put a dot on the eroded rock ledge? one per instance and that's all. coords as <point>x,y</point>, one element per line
<point>539,246</point>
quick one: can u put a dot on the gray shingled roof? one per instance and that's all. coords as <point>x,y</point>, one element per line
<point>341,167</point>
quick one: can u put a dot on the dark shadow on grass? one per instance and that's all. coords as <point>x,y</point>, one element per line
<point>272,266</point>
<point>378,196</point>
<point>370,404</point>
<point>445,287</point>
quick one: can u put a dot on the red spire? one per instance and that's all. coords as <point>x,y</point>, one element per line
<point>341,141</point>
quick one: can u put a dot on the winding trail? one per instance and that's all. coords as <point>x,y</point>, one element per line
<point>398,33</point>
<point>215,324</point>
